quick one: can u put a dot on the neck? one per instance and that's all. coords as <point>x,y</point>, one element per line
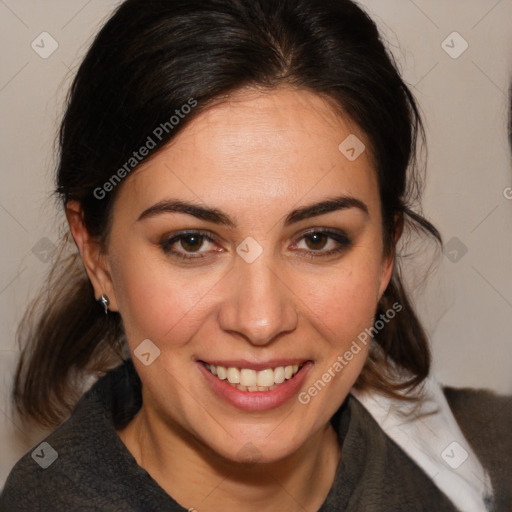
<point>198,478</point>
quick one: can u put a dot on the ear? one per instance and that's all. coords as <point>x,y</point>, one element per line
<point>388,261</point>
<point>93,256</point>
<point>398,220</point>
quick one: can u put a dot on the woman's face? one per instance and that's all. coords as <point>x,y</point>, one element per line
<point>256,284</point>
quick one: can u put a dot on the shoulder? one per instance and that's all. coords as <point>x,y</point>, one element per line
<point>480,412</point>
<point>54,465</point>
<point>485,418</point>
<point>21,491</point>
<point>78,460</point>
<point>38,479</point>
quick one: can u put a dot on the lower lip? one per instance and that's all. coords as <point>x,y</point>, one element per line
<point>256,400</point>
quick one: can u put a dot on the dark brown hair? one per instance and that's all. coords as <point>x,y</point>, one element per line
<point>151,58</point>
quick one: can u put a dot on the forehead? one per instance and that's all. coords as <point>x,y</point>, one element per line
<point>259,146</point>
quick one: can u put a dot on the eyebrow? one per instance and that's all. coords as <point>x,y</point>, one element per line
<point>218,217</point>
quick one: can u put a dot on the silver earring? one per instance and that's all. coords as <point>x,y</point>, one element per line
<point>103,300</point>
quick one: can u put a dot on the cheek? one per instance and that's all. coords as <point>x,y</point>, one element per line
<point>343,303</point>
<point>153,301</point>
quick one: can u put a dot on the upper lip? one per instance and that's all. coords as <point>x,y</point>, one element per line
<point>258,366</point>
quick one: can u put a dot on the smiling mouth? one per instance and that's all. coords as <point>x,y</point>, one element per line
<point>246,379</point>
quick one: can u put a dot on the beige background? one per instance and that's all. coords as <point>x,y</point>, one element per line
<point>467,303</point>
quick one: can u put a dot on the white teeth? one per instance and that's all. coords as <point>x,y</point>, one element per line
<point>221,372</point>
<point>246,379</point>
<point>279,375</point>
<point>234,376</point>
<point>265,378</point>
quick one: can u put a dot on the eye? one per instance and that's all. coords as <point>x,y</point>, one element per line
<point>320,243</point>
<point>186,243</point>
<point>193,245</point>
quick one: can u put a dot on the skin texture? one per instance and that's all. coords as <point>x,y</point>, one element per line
<point>256,157</point>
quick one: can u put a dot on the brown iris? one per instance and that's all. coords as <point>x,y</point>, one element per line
<point>192,243</point>
<point>318,241</point>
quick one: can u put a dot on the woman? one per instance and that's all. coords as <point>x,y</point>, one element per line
<point>236,176</point>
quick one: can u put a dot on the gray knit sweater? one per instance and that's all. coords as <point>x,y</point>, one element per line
<point>95,472</point>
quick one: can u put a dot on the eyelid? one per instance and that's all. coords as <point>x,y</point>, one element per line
<point>326,231</point>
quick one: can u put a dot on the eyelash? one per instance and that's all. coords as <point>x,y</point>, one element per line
<point>338,236</point>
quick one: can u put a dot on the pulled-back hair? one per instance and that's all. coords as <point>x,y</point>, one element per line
<point>150,59</point>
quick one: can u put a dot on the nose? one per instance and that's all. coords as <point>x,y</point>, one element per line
<point>259,305</point>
